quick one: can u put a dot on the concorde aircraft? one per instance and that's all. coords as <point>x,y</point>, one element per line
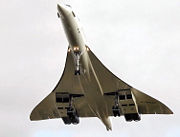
<point>88,89</point>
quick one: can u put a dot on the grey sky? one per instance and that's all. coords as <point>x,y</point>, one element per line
<point>143,35</point>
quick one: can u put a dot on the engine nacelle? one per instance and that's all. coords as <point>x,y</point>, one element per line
<point>132,117</point>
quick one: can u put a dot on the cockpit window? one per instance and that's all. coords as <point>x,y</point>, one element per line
<point>73,14</point>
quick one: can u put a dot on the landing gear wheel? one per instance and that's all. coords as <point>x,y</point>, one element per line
<point>66,120</point>
<point>75,119</point>
<point>116,111</point>
<point>71,112</point>
<point>77,72</point>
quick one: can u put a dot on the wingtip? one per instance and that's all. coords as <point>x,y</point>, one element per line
<point>30,117</point>
<point>171,112</point>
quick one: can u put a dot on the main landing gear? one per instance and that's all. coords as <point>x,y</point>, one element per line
<point>116,109</point>
<point>72,117</point>
<point>66,109</point>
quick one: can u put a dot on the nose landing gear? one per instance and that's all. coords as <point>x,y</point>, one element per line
<point>77,72</point>
<point>77,63</point>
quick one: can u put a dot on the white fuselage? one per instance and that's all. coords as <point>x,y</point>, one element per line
<point>72,27</point>
<point>76,39</point>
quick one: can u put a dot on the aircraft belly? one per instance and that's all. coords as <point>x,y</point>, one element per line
<point>94,96</point>
<point>96,101</point>
<point>92,93</point>
<point>73,34</point>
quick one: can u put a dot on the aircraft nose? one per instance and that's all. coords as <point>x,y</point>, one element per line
<point>61,9</point>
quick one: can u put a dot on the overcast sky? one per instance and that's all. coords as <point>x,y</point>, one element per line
<point>137,40</point>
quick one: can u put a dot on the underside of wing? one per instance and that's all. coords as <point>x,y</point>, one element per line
<point>109,82</point>
<point>69,93</point>
<point>131,103</point>
<point>68,85</point>
<point>113,86</point>
<point>49,108</point>
<point>149,105</point>
<point>46,109</point>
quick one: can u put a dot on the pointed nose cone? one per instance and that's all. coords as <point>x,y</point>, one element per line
<point>62,9</point>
